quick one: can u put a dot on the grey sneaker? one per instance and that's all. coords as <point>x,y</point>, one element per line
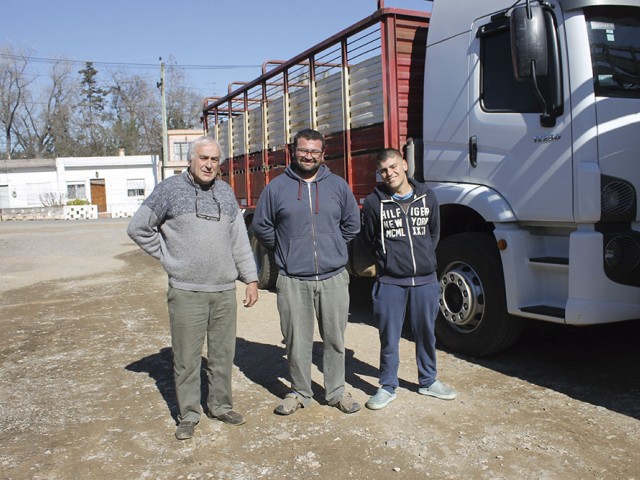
<point>186,430</point>
<point>381,399</point>
<point>438,390</point>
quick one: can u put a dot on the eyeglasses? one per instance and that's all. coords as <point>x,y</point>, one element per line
<point>315,154</point>
<point>205,208</point>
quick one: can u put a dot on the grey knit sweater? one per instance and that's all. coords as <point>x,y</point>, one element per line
<point>198,254</point>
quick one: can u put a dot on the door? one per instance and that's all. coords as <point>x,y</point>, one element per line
<point>4,196</point>
<point>99,194</point>
<point>528,164</point>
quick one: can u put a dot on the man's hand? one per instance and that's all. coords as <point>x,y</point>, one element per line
<point>250,294</point>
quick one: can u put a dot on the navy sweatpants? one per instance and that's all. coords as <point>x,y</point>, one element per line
<point>390,306</point>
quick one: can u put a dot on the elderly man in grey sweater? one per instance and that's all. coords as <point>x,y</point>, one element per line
<point>192,223</point>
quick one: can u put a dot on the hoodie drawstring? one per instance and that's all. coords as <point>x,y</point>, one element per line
<point>384,249</point>
<point>317,206</point>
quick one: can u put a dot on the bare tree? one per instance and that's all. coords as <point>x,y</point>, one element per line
<point>136,109</point>
<point>63,115</point>
<point>44,122</point>
<point>183,104</point>
<point>13,85</point>
<point>53,199</point>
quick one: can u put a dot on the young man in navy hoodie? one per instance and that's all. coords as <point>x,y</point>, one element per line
<point>307,215</point>
<point>401,226</point>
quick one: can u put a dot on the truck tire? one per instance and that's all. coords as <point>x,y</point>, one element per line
<point>473,318</point>
<point>266,264</point>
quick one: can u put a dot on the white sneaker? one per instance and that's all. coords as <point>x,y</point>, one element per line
<point>439,390</point>
<point>381,399</point>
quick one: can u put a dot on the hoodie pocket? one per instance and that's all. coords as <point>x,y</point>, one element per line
<point>299,257</point>
<point>306,256</point>
<point>332,252</point>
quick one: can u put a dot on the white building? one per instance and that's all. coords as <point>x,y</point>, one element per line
<point>115,185</point>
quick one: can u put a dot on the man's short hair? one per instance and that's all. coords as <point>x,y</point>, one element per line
<point>388,153</point>
<point>202,142</point>
<point>308,134</point>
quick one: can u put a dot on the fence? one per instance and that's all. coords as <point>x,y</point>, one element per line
<point>71,212</point>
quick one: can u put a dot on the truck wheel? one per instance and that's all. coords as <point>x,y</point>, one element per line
<point>266,264</point>
<point>473,318</point>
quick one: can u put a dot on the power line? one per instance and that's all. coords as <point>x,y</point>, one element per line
<point>125,64</point>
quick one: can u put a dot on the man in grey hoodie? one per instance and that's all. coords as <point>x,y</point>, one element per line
<point>307,216</point>
<point>192,223</point>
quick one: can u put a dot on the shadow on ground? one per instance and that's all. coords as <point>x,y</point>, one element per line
<point>599,364</point>
<point>263,364</point>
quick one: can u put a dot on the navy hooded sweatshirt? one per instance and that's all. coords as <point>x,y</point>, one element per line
<point>307,224</point>
<point>403,244</point>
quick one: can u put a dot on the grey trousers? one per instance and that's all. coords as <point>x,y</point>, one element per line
<point>300,302</point>
<point>192,316</point>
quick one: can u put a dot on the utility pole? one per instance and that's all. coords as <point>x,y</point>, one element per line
<point>165,137</point>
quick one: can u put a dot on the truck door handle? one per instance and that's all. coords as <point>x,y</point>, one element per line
<point>473,151</point>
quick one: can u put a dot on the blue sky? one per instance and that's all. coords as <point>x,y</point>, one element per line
<point>216,33</point>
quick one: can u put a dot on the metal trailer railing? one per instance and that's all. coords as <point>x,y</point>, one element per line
<point>361,88</point>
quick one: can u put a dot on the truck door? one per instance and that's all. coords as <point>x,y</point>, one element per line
<point>528,164</point>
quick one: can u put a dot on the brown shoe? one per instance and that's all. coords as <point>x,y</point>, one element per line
<point>232,418</point>
<point>347,404</point>
<point>186,430</point>
<point>290,404</point>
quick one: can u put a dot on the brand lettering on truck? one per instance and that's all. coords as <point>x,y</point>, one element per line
<point>547,138</point>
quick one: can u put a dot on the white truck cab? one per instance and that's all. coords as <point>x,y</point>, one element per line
<point>531,143</point>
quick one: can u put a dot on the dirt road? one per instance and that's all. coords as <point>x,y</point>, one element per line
<point>86,389</point>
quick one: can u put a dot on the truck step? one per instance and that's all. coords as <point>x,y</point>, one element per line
<point>550,260</point>
<point>545,310</point>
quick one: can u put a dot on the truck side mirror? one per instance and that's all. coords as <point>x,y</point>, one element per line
<point>528,42</point>
<point>535,55</point>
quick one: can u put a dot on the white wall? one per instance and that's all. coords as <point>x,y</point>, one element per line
<point>25,184</point>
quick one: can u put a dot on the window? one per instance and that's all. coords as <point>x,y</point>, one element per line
<point>76,191</point>
<point>180,151</point>
<point>500,91</point>
<point>135,188</point>
<point>614,35</point>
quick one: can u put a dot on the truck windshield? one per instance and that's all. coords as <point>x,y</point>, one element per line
<point>614,36</point>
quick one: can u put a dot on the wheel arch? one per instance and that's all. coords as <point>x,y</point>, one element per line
<point>247,215</point>
<point>265,259</point>
<point>470,208</point>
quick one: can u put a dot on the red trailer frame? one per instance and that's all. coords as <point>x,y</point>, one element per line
<point>258,149</point>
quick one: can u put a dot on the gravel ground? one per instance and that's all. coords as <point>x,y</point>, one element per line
<point>86,389</point>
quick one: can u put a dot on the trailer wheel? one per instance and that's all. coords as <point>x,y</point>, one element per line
<point>473,318</point>
<point>266,264</point>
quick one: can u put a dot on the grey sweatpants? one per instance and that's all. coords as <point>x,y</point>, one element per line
<point>300,302</point>
<point>194,315</point>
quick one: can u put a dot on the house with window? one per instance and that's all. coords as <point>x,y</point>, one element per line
<point>116,185</point>
<point>178,150</point>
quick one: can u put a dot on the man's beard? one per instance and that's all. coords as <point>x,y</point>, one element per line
<point>303,171</point>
